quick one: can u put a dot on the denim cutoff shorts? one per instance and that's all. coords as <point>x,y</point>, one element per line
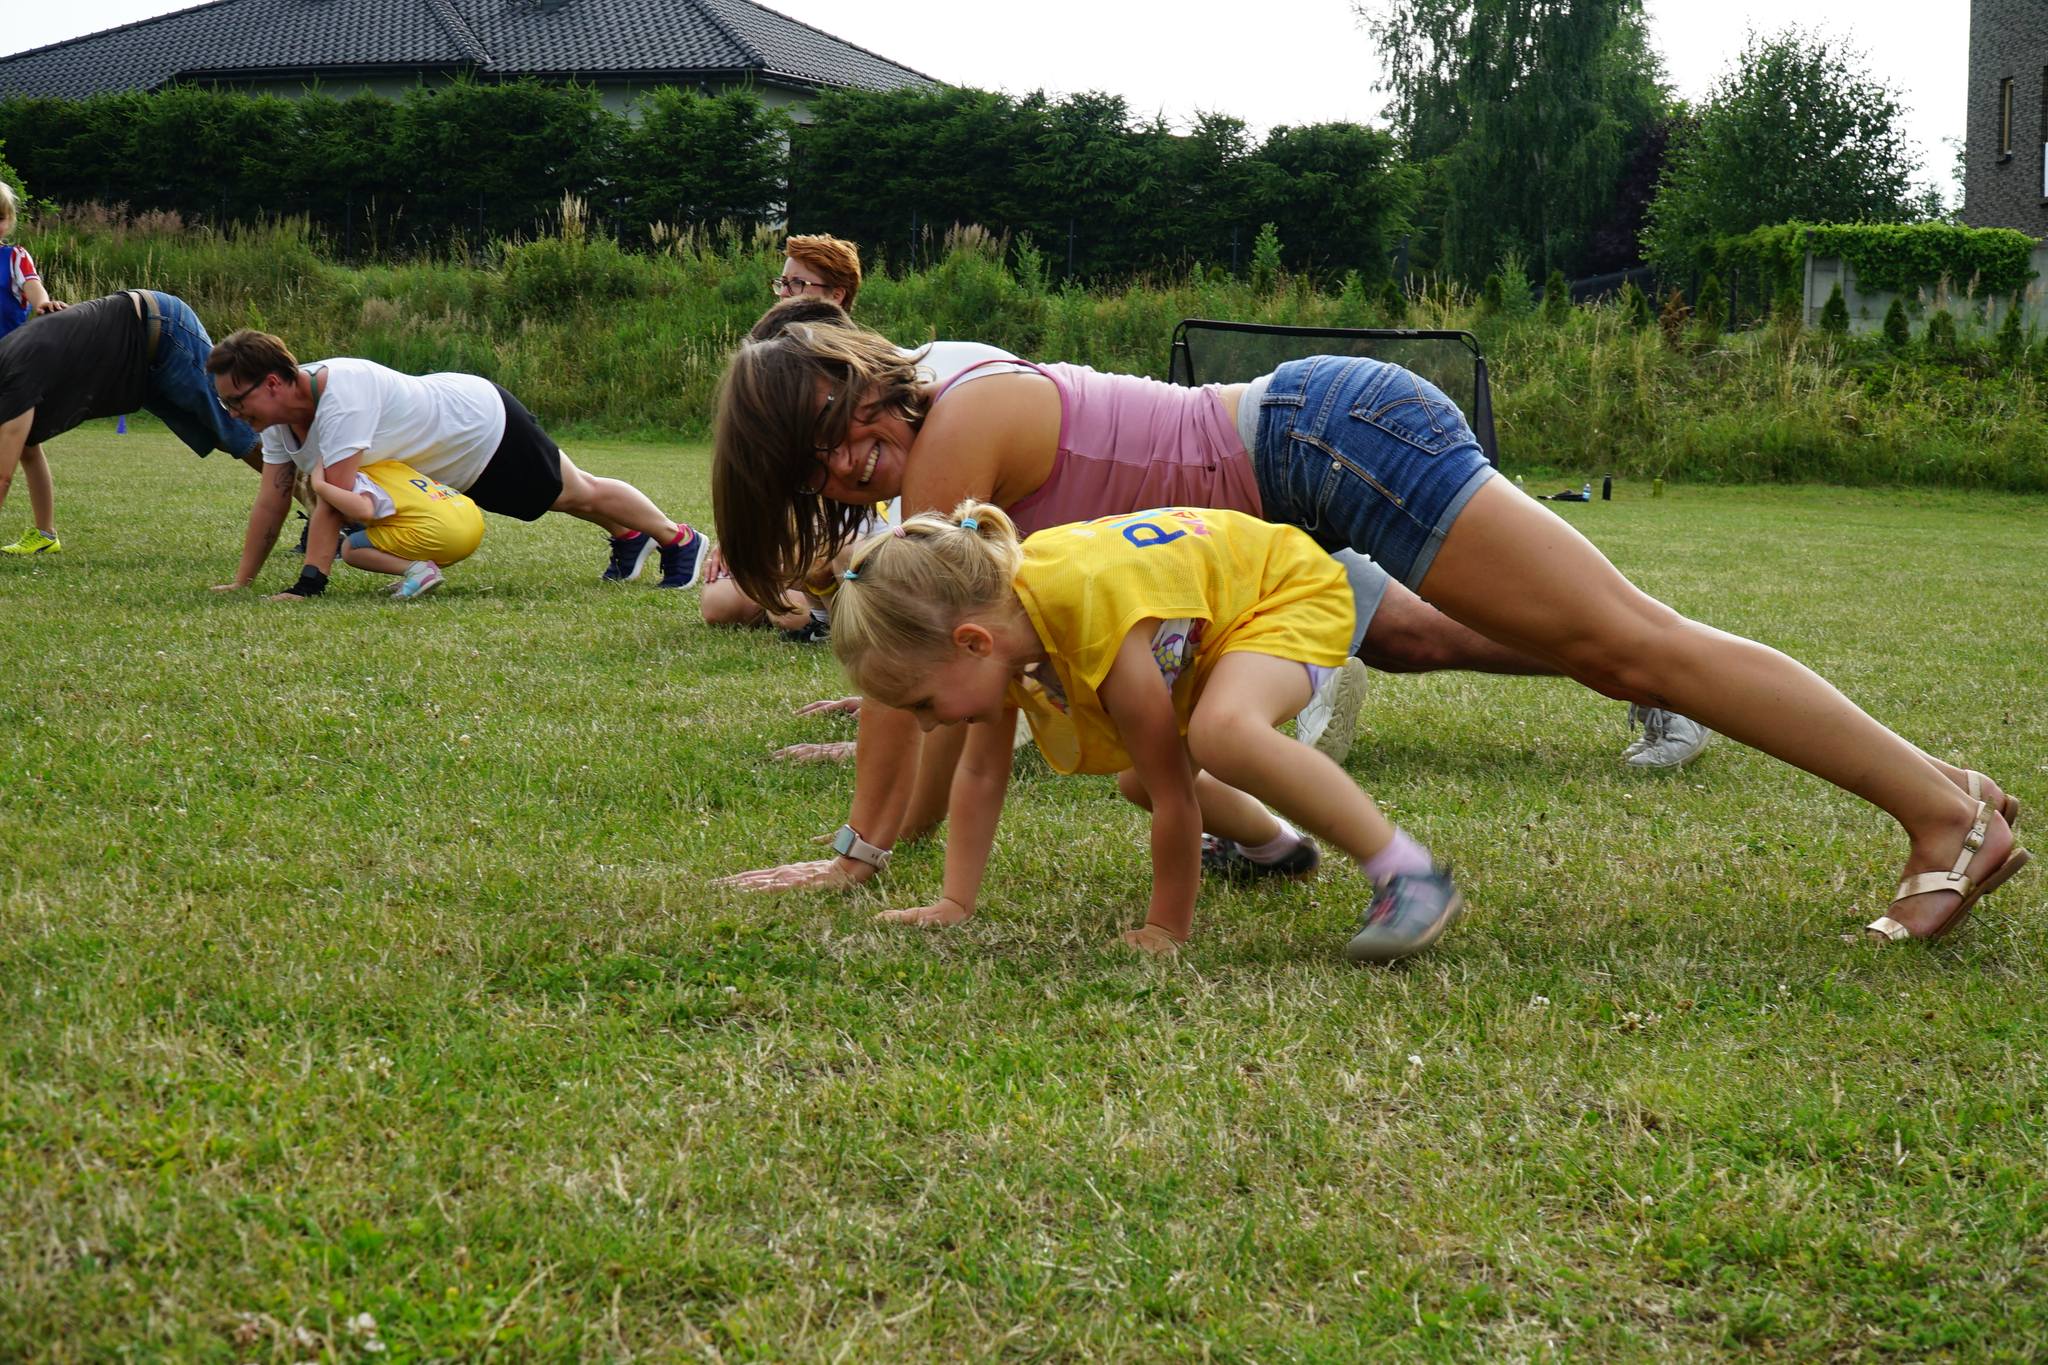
<point>1366,455</point>
<point>181,392</point>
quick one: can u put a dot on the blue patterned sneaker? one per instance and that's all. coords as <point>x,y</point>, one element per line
<point>1225,859</point>
<point>1407,915</point>
<point>682,566</point>
<point>629,556</point>
<point>422,578</point>
<point>33,542</point>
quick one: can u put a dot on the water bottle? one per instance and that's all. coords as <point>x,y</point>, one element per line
<point>1586,493</point>
<point>1607,488</point>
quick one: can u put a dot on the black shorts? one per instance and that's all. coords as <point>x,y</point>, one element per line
<point>524,476</point>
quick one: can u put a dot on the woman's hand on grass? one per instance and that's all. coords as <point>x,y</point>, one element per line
<point>940,914</point>
<point>1151,939</point>
<point>825,874</point>
<point>837,751</point>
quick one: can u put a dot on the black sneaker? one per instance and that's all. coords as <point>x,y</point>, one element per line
<point>629,555</point>
<point>682,566</point>
<point>1223,858</point>
<point>1407,915</point>
<point>815,631</point>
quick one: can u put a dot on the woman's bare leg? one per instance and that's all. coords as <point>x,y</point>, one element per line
<point>1569,604</point>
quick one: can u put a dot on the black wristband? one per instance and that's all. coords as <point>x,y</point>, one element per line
<point>311,582</point>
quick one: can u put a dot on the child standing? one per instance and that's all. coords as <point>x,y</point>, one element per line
<point>411,525</point>
<point>22,297</point>
<point>1163,646</point>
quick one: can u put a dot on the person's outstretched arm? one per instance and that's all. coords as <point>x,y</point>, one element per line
<point>266,519</point>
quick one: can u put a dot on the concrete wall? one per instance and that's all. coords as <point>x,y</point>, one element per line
<point>1868,307</point>
<point>2007,188</point>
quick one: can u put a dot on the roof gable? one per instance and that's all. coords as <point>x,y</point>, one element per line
<point>589,39</point>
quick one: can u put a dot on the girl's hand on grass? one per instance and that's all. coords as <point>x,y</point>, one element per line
<point>838,751</point>
<point>285,597</point>
<point>229,587</point>
<point>847,706</point>
<point>940,914</point>
<point>1151,939</point>
<point>826,874</point>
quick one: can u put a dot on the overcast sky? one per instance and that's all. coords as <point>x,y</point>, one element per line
<point>1271,61</point>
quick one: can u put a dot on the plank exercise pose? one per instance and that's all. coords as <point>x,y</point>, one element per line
<point>1162,646</point>
<point>1357,453</point>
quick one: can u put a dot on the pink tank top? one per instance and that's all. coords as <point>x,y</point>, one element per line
<point>1127,444</point>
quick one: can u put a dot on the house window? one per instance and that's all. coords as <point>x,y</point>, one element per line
<point>2005,117</point>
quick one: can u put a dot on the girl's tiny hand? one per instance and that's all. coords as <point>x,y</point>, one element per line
<point>285,597</point>
<point>229,587</point>
<point>832,706</point>
<point>940,914</point>
<point>51,306</point>
<point>1151,939</point>
<point>838,751</point>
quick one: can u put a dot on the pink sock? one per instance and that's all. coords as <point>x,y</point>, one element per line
<point>683,534</point>
<point>632,535</point>
<point>1275,848</point>
<point>1402,857</point>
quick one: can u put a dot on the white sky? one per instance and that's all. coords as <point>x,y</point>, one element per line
<point>1270,61</point>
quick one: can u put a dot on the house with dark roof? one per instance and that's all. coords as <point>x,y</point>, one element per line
<point>2005,148</point>
<point>622,47</point>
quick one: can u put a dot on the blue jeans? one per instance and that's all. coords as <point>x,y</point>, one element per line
<point>1367,456</point>
<point>181,392</point>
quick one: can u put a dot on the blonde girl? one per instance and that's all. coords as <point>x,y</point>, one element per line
<point>412,526</point>
<point>1162,646</point>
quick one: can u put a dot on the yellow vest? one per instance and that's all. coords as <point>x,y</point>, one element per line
<point>1252,584</point>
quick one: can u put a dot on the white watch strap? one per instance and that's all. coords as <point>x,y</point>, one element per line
<point>848,844</point>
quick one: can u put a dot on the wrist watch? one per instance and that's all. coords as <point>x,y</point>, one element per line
<point>847,843</point>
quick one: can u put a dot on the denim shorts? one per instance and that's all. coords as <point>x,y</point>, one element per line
<point>181,392</point>
<point>1367,456</point>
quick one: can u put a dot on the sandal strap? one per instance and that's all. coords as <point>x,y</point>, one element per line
<point>1890,928</point>
<point>1975,784</point>
<point>1920,883</point>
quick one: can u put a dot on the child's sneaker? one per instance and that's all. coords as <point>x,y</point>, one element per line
<point>1330,720</point>
<point>33,542</point>
<point>1224,858</point>
<point>629,556</point>
<point>682,566</point>
<point>1407,915</point>
<point>422,578</point>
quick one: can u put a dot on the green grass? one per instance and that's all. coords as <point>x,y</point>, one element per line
<point>359,958</point>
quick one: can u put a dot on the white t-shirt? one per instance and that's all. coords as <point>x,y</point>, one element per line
<point>940,360</point>
<point>447,426</point>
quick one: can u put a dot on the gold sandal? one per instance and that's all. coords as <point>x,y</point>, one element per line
<point>1957,879</point>
<point>2009,807</point>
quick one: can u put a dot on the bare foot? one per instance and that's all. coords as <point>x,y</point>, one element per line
<point>1150,939</point>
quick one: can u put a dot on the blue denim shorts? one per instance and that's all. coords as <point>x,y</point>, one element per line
<point>181,392</point>
<point>1367,456</point>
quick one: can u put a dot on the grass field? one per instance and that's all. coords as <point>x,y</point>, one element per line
<point>358,959</point>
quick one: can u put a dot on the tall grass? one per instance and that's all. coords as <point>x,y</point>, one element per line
<point>594,337</point>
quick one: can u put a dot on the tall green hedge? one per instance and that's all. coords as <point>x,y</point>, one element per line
<point>1896,257</point>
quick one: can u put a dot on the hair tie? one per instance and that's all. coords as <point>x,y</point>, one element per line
<point>850,575</point>
<point>896,531</point>
<point>969,524</point>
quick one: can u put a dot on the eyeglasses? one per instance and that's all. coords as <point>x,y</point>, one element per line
<point>233,402</point>
<point>785,285</point>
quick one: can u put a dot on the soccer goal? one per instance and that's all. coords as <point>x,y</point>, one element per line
<point>1209,352</point>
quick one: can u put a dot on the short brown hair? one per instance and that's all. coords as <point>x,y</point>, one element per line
<point>248,357</point>
<point>835,262</point>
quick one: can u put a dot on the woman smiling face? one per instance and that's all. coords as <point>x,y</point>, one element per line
<point>864,463</point>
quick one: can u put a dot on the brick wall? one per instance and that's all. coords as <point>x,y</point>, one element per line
<point>2008,39</point>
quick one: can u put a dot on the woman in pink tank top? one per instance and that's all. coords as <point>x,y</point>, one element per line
<point>826,418</point>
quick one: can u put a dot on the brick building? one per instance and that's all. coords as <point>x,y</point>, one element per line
<point>2005,159</point>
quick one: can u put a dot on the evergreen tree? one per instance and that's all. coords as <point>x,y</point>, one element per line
<point>1941,334</point>
<point>1834,314</point>
<point>2012,342</point>
<point>1897,332</point>
<point>1712,309</point>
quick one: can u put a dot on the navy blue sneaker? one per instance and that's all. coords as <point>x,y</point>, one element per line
<point>1224,858</point>
<point>629,556</point>
<point>1407,915</point>
<point>815,631</point>
<point>682,566</point>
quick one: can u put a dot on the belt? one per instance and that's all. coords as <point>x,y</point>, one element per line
<point>152,322</point>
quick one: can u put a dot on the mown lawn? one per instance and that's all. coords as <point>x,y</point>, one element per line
<point>359,959</point>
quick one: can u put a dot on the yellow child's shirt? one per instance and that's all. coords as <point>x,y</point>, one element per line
<point>1243,583</point>
<point>432,520</point>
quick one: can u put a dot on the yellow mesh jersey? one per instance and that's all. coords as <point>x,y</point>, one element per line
<point>432,520</point>
<point>1251,585</point>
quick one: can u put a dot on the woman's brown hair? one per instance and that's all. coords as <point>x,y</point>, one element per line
<point>790,391</point>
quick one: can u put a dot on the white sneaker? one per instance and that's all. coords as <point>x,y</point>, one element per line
<point>1330,720</point>
<point>1669,740</point>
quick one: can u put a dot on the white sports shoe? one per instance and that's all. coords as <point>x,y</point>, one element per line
<point>1668,740</point>
<point>1330,720</point>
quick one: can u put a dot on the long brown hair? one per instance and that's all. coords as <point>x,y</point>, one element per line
<point>770,429</point>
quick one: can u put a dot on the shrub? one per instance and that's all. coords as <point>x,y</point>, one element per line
<point>1394,302</point>
<point>1834,314</point>
<point>1557,299</point>
<point>1941,334</point>
<point>1897,332</point>
<point>1672,317</point>
<point>1712,309</point>
<point>1492,295</point>
<point>1635,307</point>
<point>2012,342</point>
<point>1266,259</point>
